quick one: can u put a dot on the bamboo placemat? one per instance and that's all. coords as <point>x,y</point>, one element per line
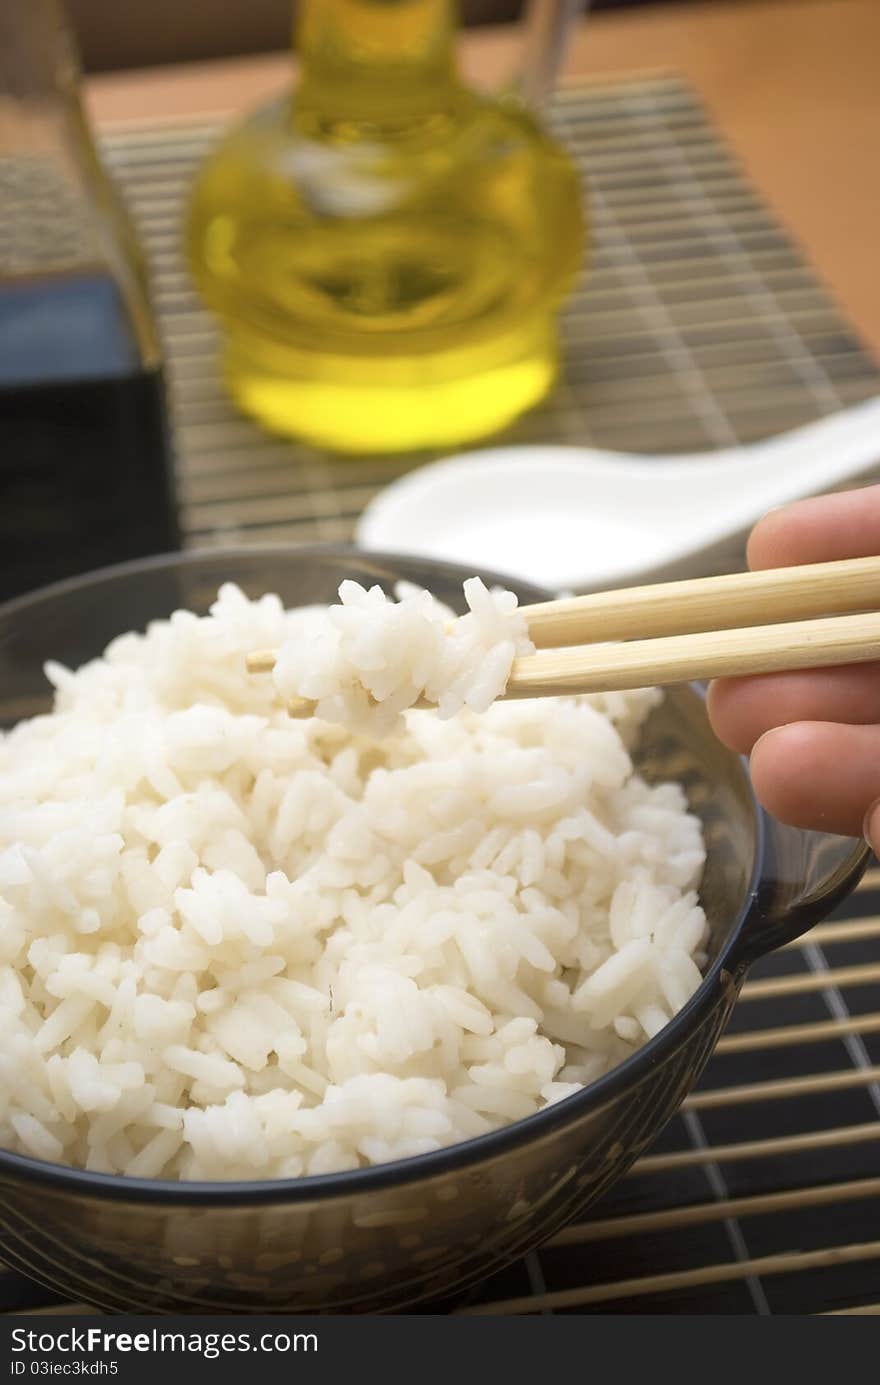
<point>700,325</point>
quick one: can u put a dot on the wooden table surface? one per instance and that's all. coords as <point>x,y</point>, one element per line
<point>792,83</point>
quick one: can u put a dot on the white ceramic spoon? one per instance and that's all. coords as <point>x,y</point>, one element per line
<point>572,517</point>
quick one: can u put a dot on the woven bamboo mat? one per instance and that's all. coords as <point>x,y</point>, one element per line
<point>700,325</point>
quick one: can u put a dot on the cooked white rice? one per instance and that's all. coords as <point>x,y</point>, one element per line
<point>234,945</point>
<point>375,656</point>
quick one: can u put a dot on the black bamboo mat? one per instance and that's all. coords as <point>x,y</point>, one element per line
<point>700,326</point>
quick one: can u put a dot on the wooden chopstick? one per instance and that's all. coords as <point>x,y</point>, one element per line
<point>800,644</point>
<point>696,657</point>
<point>701,604</point>
<point>572,672</point>
<point>692,631</point>
<point>707,603</point>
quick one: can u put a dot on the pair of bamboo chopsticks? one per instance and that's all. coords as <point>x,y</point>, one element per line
<point>712,627</point>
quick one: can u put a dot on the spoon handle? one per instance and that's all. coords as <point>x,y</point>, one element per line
<point>818,455</point>
<point>720,496</point>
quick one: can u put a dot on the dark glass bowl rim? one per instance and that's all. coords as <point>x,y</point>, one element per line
<point>398,1172</point>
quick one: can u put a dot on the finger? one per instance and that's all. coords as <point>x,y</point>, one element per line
<point>818,530</point>
<point>741,710</point>
<point>818,775</point>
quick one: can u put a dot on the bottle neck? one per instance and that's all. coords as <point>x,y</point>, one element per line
<point>360,57</point>
<point>38,61</point>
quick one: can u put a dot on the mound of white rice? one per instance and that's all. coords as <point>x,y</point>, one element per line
<point>237,945</point>
<point>375,657</point>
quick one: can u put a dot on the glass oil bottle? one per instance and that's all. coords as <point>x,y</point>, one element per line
<point>386,249</point>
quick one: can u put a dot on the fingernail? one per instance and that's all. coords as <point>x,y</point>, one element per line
<point>866,824</point>
<point>762,738</point>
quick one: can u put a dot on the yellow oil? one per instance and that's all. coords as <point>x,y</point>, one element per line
<point>386,250</point>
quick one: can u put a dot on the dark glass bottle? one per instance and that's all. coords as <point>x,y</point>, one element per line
<point>86,475</point>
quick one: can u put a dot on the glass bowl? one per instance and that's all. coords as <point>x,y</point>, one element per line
<point>384,1237</point>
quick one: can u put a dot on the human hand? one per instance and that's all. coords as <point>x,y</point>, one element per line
<point>813,737</point>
